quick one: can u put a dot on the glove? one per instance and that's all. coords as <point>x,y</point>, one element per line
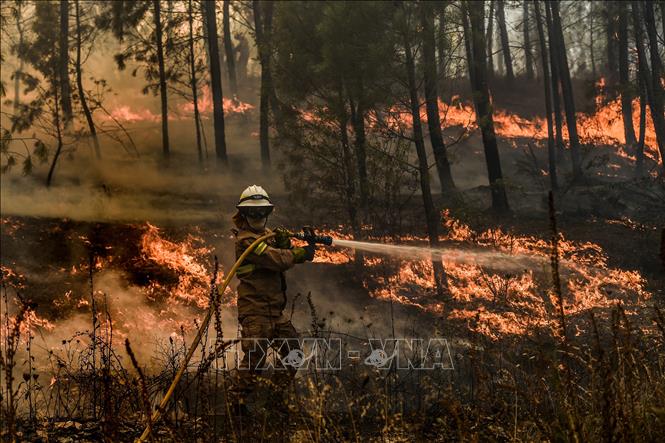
<point>282,238</point>
<point>301,255</point>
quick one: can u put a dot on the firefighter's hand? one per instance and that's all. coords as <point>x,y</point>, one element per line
<point>309,252</point>
<point>306,253</point>
<point>282,238</point>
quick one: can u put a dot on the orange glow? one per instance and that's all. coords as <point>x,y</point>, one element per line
<point>185,259</point>
<point>230,105</point>
<point>604,126</point>
<point>128,114</point>
<point>503,303</point>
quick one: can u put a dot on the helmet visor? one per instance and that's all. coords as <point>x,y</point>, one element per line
<point>255,211</point>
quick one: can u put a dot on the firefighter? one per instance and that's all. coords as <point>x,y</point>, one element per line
<point>262,293</point>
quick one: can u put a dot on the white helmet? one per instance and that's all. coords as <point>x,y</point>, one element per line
<point>254,196</point>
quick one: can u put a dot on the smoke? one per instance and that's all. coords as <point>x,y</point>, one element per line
<point>122,188</point>
<point>129,313</point>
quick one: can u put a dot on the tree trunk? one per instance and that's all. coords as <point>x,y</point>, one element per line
<point>639,150</point>
<point>477,51</point>
<point>490,41</point>
<point>646,90</point>
<point>566,90</point>
<point>263,27</point>
<point>657,97</point>
<point>551,149</point>
<point>358,122</point>
<point>612,44</point>
<point>17,74</point>
<point>505,44</point>
<point>206,44</point>
<point>229,51</point>
<point>556,96</point>
<point>431,214</point>
<point>624,80</point>
<point>58,132</point>
<point>193,81</point>
<point>162,79</point>
<point>441,49</point>
<point>65,88</point>
<point>79,84</point>
<point>349,176</point>
<point>432,104</point>
<point>216,83</point>
<point>591,50</point>
<point>467,47</point>
<point>528,56</point>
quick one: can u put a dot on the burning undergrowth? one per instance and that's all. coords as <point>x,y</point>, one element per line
<point>150,284</point>
<point>140,281</point>
<point>162,279</point>
<point>494,301</point>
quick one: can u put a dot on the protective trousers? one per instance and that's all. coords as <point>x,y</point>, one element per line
<point>259,333</point>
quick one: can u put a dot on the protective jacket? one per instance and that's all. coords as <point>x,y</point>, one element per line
<point>262,288</point>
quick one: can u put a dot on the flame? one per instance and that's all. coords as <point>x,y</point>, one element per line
<point>128,114</point>
<point>503,303</point>
<point>10,225</point>
<point>29,323</point>
<point>602,127</point>
<point>491,302</point>
<point>205,104</point>
<point>185,259</point>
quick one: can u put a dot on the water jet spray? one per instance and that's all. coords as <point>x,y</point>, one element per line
<point>492,259</point>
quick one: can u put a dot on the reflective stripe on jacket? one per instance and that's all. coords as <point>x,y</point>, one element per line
<point>262,288</point>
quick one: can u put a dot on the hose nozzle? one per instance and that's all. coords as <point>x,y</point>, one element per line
<point>308,234</point>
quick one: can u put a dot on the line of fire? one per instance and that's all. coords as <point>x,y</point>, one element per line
<point>330,221</point>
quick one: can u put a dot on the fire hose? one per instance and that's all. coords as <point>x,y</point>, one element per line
<point>307,235</point>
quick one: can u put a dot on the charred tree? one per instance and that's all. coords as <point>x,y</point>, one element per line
<point>625,88</point>
<point>657,96</point>
<point>431,214</point>
<point>505,43</point>
<point>79,84</point>
<point>358,113</point>
<point>229,51</point>
<point>263,12</point>
<point>193,80</point>
<point>349,173</point>
<point>554,87</point>
<point>551,149</point>
<point>556,35</point>
<point>489,38</point>
<point>65,88</point>
<point>162,78</point>
<point>216,83</point>
<point>432,104</point>
<point>612,48</point>
<point>639,149</point>
<point>528,55</point>
<point>646,90</point>
<point>476,51</point>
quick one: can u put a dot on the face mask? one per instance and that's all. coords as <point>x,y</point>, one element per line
<point>257,224</point>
